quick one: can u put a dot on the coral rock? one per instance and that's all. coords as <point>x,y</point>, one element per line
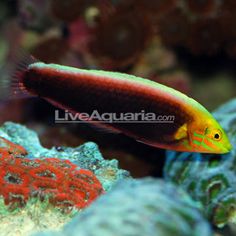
<point>140,207</point>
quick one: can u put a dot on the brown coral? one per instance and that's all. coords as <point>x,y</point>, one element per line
<point>119,40</point>
<point>202,7</point>
<point>68,10</point>
<point>174,31</point>
<point>52,49</point>
<point>157,6</point>
<point>205,37</point>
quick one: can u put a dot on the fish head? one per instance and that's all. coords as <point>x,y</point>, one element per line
<point>209,137</point>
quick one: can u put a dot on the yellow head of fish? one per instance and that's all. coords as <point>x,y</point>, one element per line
<point>207,136</point>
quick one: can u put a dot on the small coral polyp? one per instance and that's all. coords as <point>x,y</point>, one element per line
<point>59,181</point>
<point>8,147</point>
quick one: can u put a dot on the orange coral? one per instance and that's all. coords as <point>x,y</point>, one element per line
<point>59,180</point>
<point>11,148</point>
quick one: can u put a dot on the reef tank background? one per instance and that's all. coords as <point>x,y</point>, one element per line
<point>189,45</point>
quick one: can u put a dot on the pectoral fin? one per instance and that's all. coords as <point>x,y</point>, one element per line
<point>181,132</point>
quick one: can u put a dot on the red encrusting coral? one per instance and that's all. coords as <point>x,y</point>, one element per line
<point>8,147</point>
<point>60,181</point>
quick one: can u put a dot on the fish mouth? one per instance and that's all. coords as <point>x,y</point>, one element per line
<point>226,148</point>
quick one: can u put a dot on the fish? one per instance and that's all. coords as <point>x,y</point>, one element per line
<point>83,91</point>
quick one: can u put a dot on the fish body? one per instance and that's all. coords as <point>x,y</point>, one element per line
<point>192,128</point>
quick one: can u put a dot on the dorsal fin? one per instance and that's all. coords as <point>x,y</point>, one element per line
<point>11,85</point>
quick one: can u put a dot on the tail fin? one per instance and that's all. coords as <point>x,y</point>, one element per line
<point>11,74</point>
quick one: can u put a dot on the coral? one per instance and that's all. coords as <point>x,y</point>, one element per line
<point>210,179</point>
<point>51,50</point>
<point>71,10</point>
<point>33,183</point>
<point>58,180</point>
<point>202,27</point>
<point>140,207</point>
<point>35,216</point>
<point>205,36</point>
<point>157,6</point>
<point>11,148</point>
<point>119,40</point>
<point>175,30</point>
<point>34,14</point>
<point>115,33</point>
<point>205,8</point>
<point>86,156</point>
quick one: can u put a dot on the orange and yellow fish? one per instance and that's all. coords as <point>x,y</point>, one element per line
<point>83,91</point>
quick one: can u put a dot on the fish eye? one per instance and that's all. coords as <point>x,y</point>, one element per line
<point>217,135</point>
<point>214,134</point>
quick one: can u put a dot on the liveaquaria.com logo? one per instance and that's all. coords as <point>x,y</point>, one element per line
<point>107,117</point>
